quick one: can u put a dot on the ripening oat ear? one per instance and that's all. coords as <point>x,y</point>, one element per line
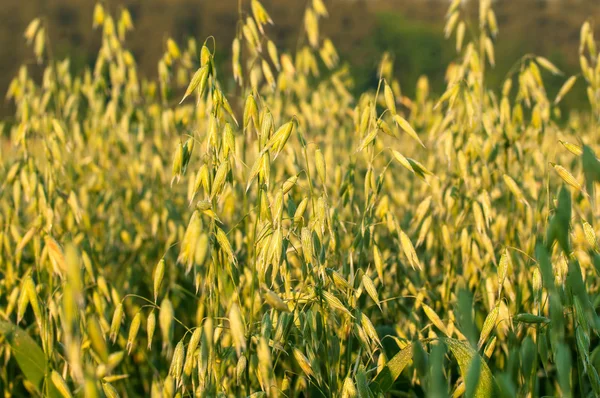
<point>133,331</point>
<point>321,167</point>
<point>260,15</point>
<point>404,125</point>
<point>115,324</point>
<point>460,36</point>
<point>159,272</point>
<point>574,149</point>
<point>514,188</point>
<point>165,319</point>
<point>31,30</point>
<point>488,326</point>
<point>56,255</point>
<point>403,161</point>
<point>99,15</point>
<point>567,177</point>
<point>590,235</point>
<point>311,26</point>
<point>334,303</point>
<point>109,390</point>
<point>489,49</point>
<point>371,289</point>
<point>549,66</point>
<point>150,327</point>
<point>435,319</point>
<point>451,23</point>
<point>176,367</point>
<point>198,80</point>
<point>60,384</point>
<point>237,329</point>
<point>409,250</point>
<point>390,100</point>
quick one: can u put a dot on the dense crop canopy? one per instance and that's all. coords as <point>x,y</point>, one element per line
<point>271,234</point>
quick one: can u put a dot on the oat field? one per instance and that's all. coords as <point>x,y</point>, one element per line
<point>257,229</point>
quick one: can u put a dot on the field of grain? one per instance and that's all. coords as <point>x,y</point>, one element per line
<point>270,234</point>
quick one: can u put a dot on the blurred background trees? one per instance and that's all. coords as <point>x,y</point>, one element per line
<point>412,30</point>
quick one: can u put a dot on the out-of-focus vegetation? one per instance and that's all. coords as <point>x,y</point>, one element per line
<point>247,222</point>
<point>362,31</point>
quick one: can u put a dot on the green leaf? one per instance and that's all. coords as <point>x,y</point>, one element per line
<point>591,168</point>
<point>472,376</point>
<point>392,370</point>
<point>558,230</point>
<point>545,264</point>
<point>361,383</point>
<point>464,354</point>
<point>27,353</point>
